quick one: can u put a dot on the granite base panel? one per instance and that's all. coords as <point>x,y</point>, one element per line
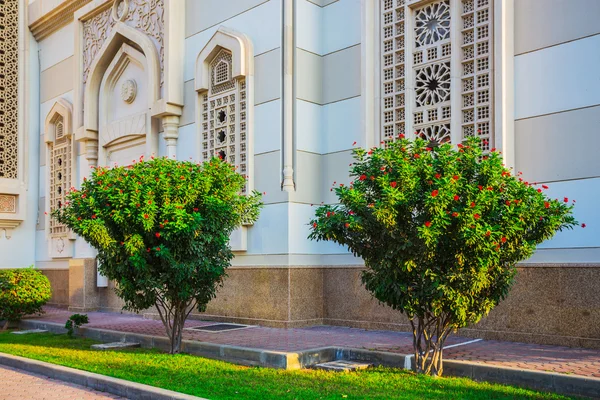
<point>554,305</point>
<point>59,281</point>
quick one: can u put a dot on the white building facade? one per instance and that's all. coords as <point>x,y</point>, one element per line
<point>282,89</point>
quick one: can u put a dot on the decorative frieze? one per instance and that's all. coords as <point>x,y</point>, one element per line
<point>9,89</point>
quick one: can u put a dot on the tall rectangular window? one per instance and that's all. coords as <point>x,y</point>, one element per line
<point>434,54</point>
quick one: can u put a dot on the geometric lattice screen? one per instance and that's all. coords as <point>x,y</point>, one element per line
<point>9,87</point>
<point>224,115</point>
<point>60,173</point>
<point>436,60</point>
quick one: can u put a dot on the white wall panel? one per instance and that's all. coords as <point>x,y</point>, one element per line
<point>261,24</point>
<point>300,216</point>
<point>309,27</point>
<point>586,193</point>
<point>558,78</point>
<point>309,127</point>
<point>267,127</point>
<point>187,143</point>
<point>341,25</point>
<point>57,47</point>
<point>269,235</point>
<point>342,125</point>
<point>323,30</point>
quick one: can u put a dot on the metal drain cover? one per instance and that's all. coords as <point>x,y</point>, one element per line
<point>216,328</point>
<point>342,365</point>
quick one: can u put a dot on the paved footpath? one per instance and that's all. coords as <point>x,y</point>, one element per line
<point>18,385</point>
<point>577,361</point>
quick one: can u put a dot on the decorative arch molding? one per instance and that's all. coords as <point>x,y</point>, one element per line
<point>60,175</point>
<point>241,50</point>
<point>162,45</point>
<point>112,49</point>
<point>224,82</point>
<point>134,128</point>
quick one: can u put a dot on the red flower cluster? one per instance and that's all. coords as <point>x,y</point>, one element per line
<point>428,224</point>
<point>435,193</point>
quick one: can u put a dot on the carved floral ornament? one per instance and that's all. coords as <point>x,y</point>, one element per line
<point>147,16</point>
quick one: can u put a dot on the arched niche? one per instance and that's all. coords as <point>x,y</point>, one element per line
<point>224,82</point>
<point>125,122</point>
<point>112,121</point>
<point>60,175</point>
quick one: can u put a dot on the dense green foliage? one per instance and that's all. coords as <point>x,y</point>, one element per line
<point>75,321</point>
<point>219,380</point>
<point>439,228</point>
<point>22,291</point>
<point>161,228</point>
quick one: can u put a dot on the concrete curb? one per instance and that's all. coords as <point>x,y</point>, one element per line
<point>537,380</point>
<point>572,385</point>
<point>118,387</point>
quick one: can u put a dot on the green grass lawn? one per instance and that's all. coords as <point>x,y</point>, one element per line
<point>220,380</point>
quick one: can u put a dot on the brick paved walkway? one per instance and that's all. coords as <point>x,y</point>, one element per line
<point>566,360</point>
<point>18,385</point>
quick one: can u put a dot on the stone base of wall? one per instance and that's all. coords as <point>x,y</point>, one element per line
<point>557,305</point>
<point>59,280</point>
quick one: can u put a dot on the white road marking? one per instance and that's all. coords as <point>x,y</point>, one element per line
<point>408,358</point>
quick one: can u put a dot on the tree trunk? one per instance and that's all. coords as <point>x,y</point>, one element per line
<point>173,316</point>
<point>429,336</point>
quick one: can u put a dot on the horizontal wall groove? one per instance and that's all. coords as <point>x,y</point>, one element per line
<point>557,112</point>
<point>556,44</point>
<point>331,52</point>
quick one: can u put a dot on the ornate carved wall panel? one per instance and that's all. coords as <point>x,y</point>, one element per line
<point>8,203</point>
<point>447,41</point>
<point>9,88</point>
<point>145,15</point>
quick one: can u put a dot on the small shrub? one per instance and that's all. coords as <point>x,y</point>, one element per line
<point>22,292</point>
<point>75,321</point>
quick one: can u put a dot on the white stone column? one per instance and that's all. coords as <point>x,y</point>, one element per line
<point>91,153</point>
<point>171,133</point>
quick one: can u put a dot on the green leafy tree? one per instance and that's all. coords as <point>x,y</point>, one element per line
<point>162,228</point>
<point>440,230</point>
<point>23,292</point>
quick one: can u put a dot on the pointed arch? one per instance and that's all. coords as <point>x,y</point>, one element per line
<point>121,34</point>
<point>241,50</point>
<point>61,109</point>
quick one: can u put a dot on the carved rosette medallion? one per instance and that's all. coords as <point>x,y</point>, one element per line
<point>128,91</point>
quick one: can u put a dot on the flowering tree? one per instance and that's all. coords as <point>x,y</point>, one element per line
<point>162,231</point>
<point>440,231</point>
